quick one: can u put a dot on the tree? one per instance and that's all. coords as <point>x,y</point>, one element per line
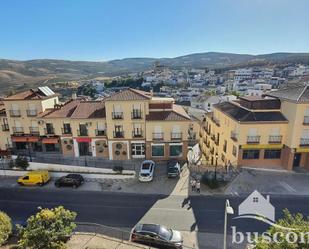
<point>21,162</point>
<point>5,227</point>
<point>300,228</point>
<point>48,229</point>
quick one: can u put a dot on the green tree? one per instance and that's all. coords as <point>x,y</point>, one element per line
<point>48,229</point>
<point>300,227</point>
<point>21,162</point>
<point>5,227</point>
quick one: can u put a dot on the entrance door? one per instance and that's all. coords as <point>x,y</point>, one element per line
<point>296,162</point>
<point>84,149</point>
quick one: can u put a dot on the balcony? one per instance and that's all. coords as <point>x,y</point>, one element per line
<point>234,136</point>
<point>216,121</point>
<point>304,142</point>
<point>253,139</point>
<point>34,131</point>
<point>32,113</point>
<point>213,137</point>
<point>217,141</point>
<point>82,133</point>
<point>66,131</point>
<point>5,127</point>
<point>176,135</point>
<point>306,120</point>
<point>275,139</point>
<point>99,133</point>
<point>117,115</point>
<point>136,114</point>
<point>208,131</point>
<point>212,150</point>
<point>208,144</point>
<point>118,134</point>
<point>192,136</point>
<point>158,136</point>
<point>18,130</point>
<point>15,113</point>
<point>49,131</point>
<point>137,133</point>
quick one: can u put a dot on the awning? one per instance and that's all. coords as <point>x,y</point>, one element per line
<point>83,139</point>
<point>50,140</point>
<point>262,146</point>
<point>25,139</point>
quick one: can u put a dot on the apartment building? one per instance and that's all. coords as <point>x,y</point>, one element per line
<point>271,131</point>
<point>129,124</point>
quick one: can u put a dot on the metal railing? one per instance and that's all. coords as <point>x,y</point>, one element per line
<point>18,129</point>
<point>306,120</point>
<point>275,139</point>
<point>32,113</point>
<point>118,134</point>
<point>5,127</point>
<point>49,131</point>
<point>253,139</point>
<point>138,133</point>
<point>304,142</point>
<point>66,131</point>
<point>234,136</point>
<point>15,113</point>
<point>34,130</point>
<point>117,115</point>
<point>158,136</point>
<point>82,133</point>
<point>99,132</point>
<point>176,135</point>
<point>136,114</point>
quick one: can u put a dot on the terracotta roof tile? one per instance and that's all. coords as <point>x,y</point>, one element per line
<point>89,109</point>
<point>29,95</point>
<point>177,114</point>
<point>63,112</point>
<point>129,94</point>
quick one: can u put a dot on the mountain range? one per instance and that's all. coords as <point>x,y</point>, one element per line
<point>19,74</point>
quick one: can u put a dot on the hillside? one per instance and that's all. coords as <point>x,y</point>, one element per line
<point>20,74</point>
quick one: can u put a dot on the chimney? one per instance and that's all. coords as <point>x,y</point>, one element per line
<point>267,198</point>
<point>74,96</point>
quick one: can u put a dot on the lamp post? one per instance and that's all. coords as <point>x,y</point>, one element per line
<point>227,210</point>
<point>216,164</point>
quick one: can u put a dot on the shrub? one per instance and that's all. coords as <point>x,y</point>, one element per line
<point>11,164</point>
<point>48,229</point>
<point>21,162</point>
<point>5,227</point>
<point>118,169</point>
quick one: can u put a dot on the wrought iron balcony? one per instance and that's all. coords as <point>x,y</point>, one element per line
<point>15,113</point>
<point>49,131</point>
<point>275,139</point>
<point>176,135</point>
<point>304,142</point>
<point>118,134</point>
<point>253,139</point>
<point>99,132</point>
<point>158,136</point>
<point>234,136</point>
<point>34,131</point>
<point>32,113</point>
<point>117,115</point>
<point>82,133</point>
<point>5,127</point>
<point>66,131</point>
<point>137,133</point>
<point>18,130</point>
<point>136,114</point>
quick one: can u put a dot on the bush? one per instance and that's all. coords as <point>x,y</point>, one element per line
<point>118,169</point>
<point>48,229</point>
<point>5,227</point>
<point>21,162</point>
<point>11,164</point>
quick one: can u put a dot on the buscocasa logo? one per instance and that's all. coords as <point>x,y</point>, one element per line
<point>258,207</point>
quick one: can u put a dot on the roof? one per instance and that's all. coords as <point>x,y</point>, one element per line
<point>176,114</point>
<point>31,95</point>
<point>243,115</point>
<point>129,94</point>
<point>299,93</point>
<point>64,111</point>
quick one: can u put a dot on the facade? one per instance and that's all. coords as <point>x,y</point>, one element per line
<point>129,124</point>
<point>268,132</point>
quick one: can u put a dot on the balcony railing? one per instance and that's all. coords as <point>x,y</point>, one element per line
<point>212,150</point>
<point>49,131</point>
<point>99,132</point>
<point>234,136</point>
<point>5,127</point>
<point>216,121</point>
<point>137,133</point>
<point>253,139</point>
<point>66,131</point>
<point>34,130</point>
<point>117,115</point>
<point>82,133</point>
<point>213,137</point>
<point>275,139</point>
<point>176,135</point>
<point>136,114</point>
<point>158,136</point>
<point>118,134</point>
<point>18,130</point>
<point>306,120</point>
<point>304,142</point>
<point>15,113</point>
<point>217,141</point>
<point>32,113</point>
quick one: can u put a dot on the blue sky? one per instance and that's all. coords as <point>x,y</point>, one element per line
<point>111,29</point>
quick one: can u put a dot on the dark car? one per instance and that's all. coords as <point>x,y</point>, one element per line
<point>70,180</point>
<point>156,235</point>
<point>173,169</point>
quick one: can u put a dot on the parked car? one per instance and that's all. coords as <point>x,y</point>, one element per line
<point>156,235</point>
<point>36,177</point>
<point>173,169</point>
<point>70,180</point>
<point>147,171</point>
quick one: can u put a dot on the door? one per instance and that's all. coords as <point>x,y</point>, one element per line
<point>83,148</point>
<point>296,162</point>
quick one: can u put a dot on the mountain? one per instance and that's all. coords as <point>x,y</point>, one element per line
<point>20,74</point>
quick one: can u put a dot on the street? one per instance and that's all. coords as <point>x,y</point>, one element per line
<point>200,217</point>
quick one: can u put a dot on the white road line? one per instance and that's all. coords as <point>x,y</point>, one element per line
<point>287,186</point>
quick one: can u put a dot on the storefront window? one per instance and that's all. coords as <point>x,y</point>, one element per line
<point>138,149</point>
<point>52,147</point>
<point>176,150</point>
<point>158,150</point>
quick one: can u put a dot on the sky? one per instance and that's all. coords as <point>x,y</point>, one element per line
<point>100,30</point>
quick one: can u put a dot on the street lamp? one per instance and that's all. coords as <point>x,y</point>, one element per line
<point>228,210</point>
<point>216,164</point>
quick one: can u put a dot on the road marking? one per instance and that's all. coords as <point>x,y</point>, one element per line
<point>287,186</point>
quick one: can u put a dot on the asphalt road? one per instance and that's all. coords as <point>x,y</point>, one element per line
<point>201,214</point>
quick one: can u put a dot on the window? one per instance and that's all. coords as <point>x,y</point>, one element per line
<point>52,147</point>
<point>224,145</point>
<point>251,154</point>
<point>158,150</point>
<point>234,151</point>
<point>176,150</point>
<point>272,154</point>
<point>255,199</point>
<point>138,149</point>
<point>66,128</point>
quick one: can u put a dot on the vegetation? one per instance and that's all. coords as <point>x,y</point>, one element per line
<point>129,82</point>
<point>88,90</point>
<point>21,162</point>
<point>298,223</point>
<point>5,227</point>
<point>48,229</point>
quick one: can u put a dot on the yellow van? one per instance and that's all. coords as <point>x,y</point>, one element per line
<point>34,178</point>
